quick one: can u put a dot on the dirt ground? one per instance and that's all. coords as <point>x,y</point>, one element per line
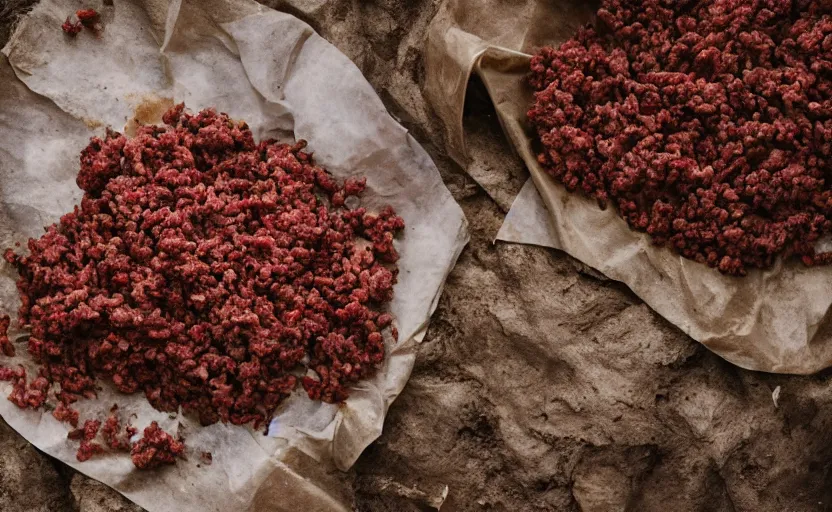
<point>541,385</point>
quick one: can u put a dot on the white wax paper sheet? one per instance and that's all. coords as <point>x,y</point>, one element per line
<point>775,320</point>
<point>273,71</point>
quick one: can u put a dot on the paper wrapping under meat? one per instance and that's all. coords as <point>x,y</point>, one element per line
<point>774,320</point>
<point>273,71</point>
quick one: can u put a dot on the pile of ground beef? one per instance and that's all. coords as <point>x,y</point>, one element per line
<point>208,272</point>
<point>707,123</point>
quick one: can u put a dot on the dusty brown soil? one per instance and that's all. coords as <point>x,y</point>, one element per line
<point>540,386</point>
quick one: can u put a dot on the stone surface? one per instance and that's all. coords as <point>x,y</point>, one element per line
<point>10,10</point>
<point>29,480</point>
<point>92,496</point>
<point>539,385</point>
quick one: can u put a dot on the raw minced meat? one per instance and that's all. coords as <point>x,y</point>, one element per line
<point>155,448</point>
<point>71,28</point>
<point>707,123</point>
<point>208,272</point>
<point>116,437</point>
<point>86,434</point>
<point>86,18</point>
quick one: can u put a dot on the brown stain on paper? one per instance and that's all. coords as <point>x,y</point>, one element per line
<point>150,110</point>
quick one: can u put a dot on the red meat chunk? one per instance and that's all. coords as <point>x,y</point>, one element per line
<point>71,28</point>
<point>155,448</point>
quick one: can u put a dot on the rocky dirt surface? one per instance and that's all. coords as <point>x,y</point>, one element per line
<point>541,385</point>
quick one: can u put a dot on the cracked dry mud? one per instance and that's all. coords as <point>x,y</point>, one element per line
<point>540,385</point>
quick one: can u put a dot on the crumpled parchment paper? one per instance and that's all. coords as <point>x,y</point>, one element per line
<point>774,320</point>
<point>273,71</point>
